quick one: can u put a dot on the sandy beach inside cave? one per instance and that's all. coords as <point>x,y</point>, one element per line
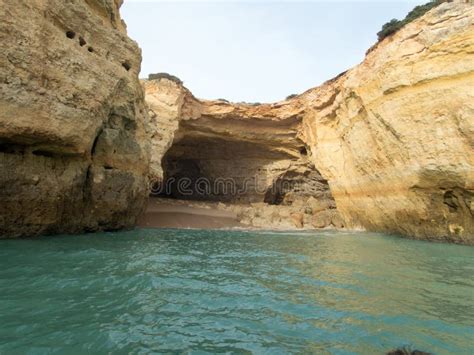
<point>168,213</point>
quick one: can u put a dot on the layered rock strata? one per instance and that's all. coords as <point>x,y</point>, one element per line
<point>395,135</point>
<point>249,158</point>
<point>389,142</point>
<point>73,149</point>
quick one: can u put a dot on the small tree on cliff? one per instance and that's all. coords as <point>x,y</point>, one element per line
<point>389,28</point>
<point>394,25</point>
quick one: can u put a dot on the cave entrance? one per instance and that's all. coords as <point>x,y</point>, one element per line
<point>260,184</point>
<point>209,168</point>
<point>299,184</point>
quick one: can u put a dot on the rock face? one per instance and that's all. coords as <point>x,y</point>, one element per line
<point>249,157</point>
<point>395,135</point>
<point>390,142</point>
<point>73,147</point>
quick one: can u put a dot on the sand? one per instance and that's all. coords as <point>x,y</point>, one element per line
<point>168,213</point>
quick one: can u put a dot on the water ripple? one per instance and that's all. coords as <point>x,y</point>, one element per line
<point>240,292</point>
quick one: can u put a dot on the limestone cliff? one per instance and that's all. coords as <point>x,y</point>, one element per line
<point>249,157</point>
<point>390,142</point>
<point>395,135</point>
<point>73,148</point>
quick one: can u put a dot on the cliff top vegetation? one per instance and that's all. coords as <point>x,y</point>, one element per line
<point>395,25</point>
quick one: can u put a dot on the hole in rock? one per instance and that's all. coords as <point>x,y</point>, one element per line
<point>126,65</point>
<point>217,169</point>
<point>7,149</point>
<point>254,167</point>
<point>90,49</point>
<point>451,200</point>
<point>295,185</point>
<point>70,34</point>
<point>82,42</point>
<point>43,153</point>
<point>212,168</point>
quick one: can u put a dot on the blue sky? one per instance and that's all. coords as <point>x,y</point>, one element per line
<point>255,51</point>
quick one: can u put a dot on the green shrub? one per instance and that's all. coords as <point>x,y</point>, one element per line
<point>395,25</point>
<point>389,28</point>
<point>223,100</point>
<point>291,96</point>
<point>159,76</point>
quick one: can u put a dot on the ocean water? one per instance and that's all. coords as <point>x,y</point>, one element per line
<point>183,291</point>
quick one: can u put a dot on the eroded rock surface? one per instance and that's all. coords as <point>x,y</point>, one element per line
<point>391,140</point>
<point>73,148</point>
<point>387,146</point>
<point>249,158</point>
<point>395,135</point>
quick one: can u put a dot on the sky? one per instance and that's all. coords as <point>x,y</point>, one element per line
<point>255,51</point>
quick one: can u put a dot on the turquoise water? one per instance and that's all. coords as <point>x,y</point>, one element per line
<point>211,291</point>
